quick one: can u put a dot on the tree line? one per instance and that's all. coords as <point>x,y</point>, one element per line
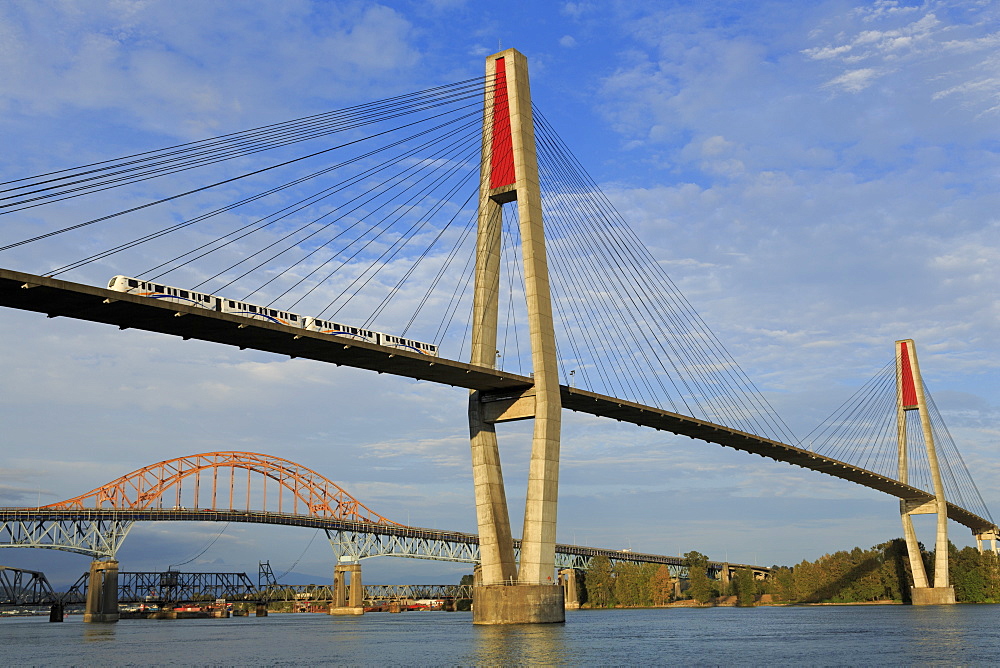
<point>880,573</point>
<point>607,585</point>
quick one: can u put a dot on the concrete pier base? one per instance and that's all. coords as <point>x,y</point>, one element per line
<point>56,612</point>
<point>336,610</point>
<point>102,592</point>
<point>932,595</point>
<point>260,610</point>
<point>348,592</point>
<point>518,604</point>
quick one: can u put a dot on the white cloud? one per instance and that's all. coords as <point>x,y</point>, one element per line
<point>853,81</point>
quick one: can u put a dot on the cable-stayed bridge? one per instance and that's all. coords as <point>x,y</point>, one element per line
<point>394,217</point>
<point>55,297</point>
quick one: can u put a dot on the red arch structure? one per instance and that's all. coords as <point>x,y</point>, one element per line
<point>189,482</point>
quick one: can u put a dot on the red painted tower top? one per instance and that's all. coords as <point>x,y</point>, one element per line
<point>909,388</point>
<point>502,149</point>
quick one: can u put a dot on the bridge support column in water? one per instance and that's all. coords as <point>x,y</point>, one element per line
<point>102,592</point>
<point>509,173</point>
<point>348,592</point>
<point>571,596</point>
<point>910,397</point>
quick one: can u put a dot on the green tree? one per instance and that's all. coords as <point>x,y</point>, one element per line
<point>600,583</point>
<point>781,584</point>
<point>632,584</point>
<point>969,574</point>
<point>661,586</point>
<point>698,585</point>
<point>746,587</point>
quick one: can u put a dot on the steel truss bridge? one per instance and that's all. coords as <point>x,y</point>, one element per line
<point>97,522</point>
<point>171,587</point>
<point>80,531</point>
<point>59,298</point>
<point>21,587</point>
<point>323,593</point>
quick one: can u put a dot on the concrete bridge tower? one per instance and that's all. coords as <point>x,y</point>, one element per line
<point>910,397</point>
<point>529,593</point>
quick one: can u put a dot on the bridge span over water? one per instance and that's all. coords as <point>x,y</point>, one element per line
<point>500,391</point>
<point>254,488</point>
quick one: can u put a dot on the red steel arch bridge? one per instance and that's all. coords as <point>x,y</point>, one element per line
<point>247,487</point>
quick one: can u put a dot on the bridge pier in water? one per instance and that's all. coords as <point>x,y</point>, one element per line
<point>526,593</point>
<point>570,585</point>
<point>348,591</point>
<point>102,592</point>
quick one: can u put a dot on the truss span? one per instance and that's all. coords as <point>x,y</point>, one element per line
<point>215,481</point>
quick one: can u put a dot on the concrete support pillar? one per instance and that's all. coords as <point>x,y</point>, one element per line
<point>339,587</point>
<point>102,592</point>
<point>568,580</point>
<point>496,544</point>
<point>356,597</point>
<point>260,610</point>
<point>990,536</point>
<point>510,173</point>
<point>910,397</point>
<point>56,612</point>
<point>348,592</point>
<point>725,577</point>
<point>539,538</point>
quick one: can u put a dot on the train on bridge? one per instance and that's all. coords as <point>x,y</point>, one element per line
<point>168,293</point>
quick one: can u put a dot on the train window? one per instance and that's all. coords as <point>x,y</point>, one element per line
<point>232,304</point>
<point>158,288</point>
<point>132,283</point>
<point>292,317</point>
<point>252,309</point>
<point>184,294</point>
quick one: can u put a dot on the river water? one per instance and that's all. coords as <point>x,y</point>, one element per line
<point>828,635</point>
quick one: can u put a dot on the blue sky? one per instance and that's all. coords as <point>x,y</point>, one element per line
<point>820,179</point>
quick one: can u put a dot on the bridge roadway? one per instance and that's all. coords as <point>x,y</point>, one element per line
<point>571,553</point>
<point>56,297</point>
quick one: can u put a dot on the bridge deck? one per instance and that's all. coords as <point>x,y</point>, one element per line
<point>56,297</point>
<point>256,517</point>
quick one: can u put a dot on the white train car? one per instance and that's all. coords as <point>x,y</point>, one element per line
<point>390,341</point>
<point>336,329</point>
<point>167,293</point>
<point>256,312</point>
